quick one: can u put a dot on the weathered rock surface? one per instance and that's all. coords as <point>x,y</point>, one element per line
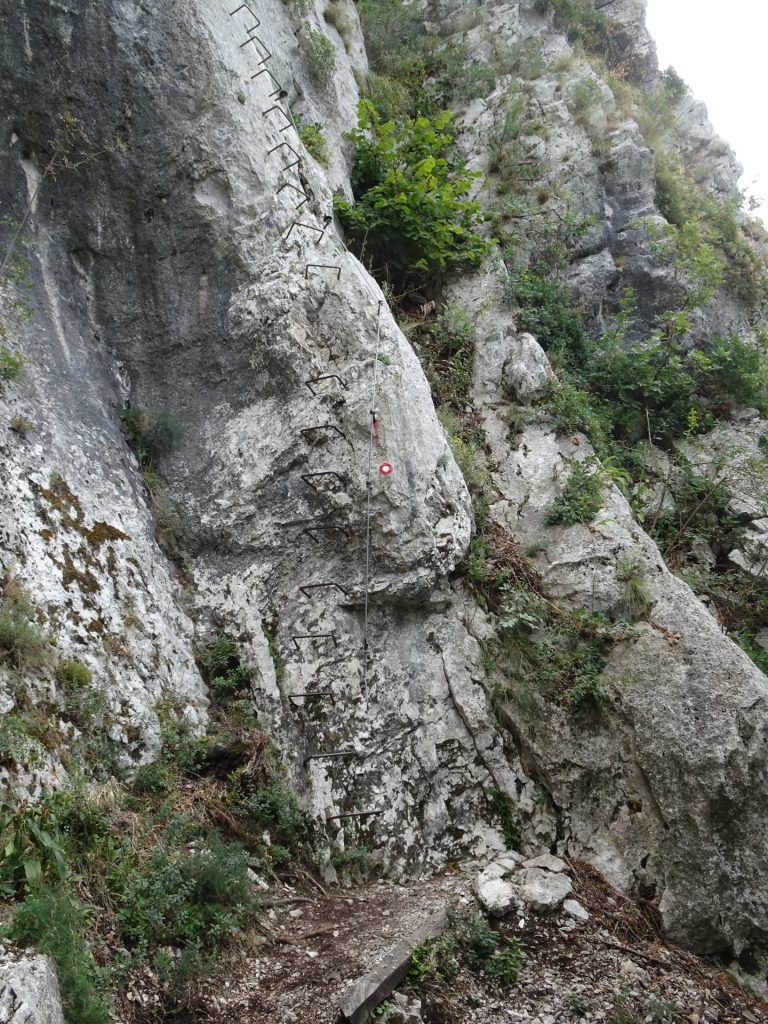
<point>29,990</point>
<point>170,272</point>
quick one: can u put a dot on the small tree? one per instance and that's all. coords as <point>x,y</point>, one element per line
<point>414,215</point>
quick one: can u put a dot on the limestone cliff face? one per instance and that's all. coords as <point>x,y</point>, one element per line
<point>189,267</point>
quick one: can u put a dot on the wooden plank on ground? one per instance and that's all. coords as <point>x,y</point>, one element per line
<point>367,992</point>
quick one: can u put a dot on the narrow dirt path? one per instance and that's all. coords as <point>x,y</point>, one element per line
<point>329,943</point>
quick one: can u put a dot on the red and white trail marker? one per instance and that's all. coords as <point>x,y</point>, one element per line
<point>386,469</point>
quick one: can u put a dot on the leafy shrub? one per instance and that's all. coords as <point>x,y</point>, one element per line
<point>313,137</point>
<point>390,98</point>
<point>413,216</point>
<point>150,434</point>
<point>580,21</point>
<point>469,937</point>
<point>31,848</point>
<point>186,897</point>
<point>674,85</point>
<point>588,698</point>
<point>275,807</point>
<point>221,666</point>
<point>56,923</point>
<point>581,498</point>
<point>547,310</point>
<point>458,76</point>
<point>390,27</point>
<point>319,56</point>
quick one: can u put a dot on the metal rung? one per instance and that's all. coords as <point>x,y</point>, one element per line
<point>353,814</point>
<point>289,146</point>
<point>325,376</point>
<point>323,266</point>
<point>305,431</point>
<point>295,188</point>
<point>265,71</point>
<point>309,227</point>
<point>255,39</point>
<point>331,753</point>
<point>251,37</point>
<point>276,106</point>
<point>240,8</point>
<point>314,636</point>
<point>316,694</point>
<point>312,530</point>
<point>323,586</point>
<point>307,478</point>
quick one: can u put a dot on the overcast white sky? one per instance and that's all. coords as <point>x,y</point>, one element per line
<point>721,50</point>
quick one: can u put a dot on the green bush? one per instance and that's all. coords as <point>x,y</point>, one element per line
<point>581,498</point>
<point>183,897</point>
<point>580,21</point>
<point>390,98</point>
<point>446,348</point>
<point>150,434</point>
<point>313,137</point>
<point>219,661</point>
<point>413,217</point>
<point>674,85</point>
<point>73,674</point>
<point>584,97</point>
<point>547,310</point>
<point>469,938</point>
<point>390,28</point>
<point>319,56</point>
<point>56,923</point>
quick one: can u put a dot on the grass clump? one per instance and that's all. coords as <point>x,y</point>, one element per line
<point>446,347</point>
<point>23,646</point>
<point>413,218</point>
<point>632,573</point>
<point>11,366</point>
<point>581,498</point>
<point>73,674</point>
<point>21,425</point>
